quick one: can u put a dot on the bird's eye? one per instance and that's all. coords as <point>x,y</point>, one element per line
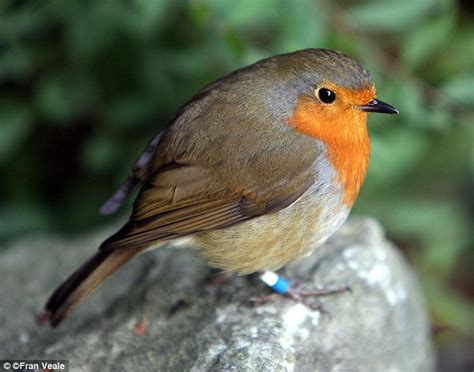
<point>326,95</point>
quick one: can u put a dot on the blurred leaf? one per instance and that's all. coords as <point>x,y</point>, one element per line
<point>15,126</point>
<point>150,12</point>
<point>413,107</point>
<point>459,89</point>
<point>18,22</point>
<point>440,225</point>
<point>392,15</point>
<point>425,39</point>
<point>303,26</point>
<point>125,113</point>
<point>62,97</point>
<point>408,147</point>
<point>99,154</point>
<point>455,57</point>
<point>16,63</point>
<point>245,12</point>
<point>453,309</point>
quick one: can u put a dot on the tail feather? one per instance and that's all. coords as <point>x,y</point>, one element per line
<point>83,281</point>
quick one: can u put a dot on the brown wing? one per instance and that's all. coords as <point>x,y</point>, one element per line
<point>184,199</point>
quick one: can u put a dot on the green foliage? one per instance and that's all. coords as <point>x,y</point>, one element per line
<point>84,85</point>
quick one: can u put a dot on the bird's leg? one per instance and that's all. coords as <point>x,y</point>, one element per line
<point>282,287</point>
<point>216,277</point>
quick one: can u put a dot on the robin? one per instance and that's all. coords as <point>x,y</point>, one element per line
<point>255,171</point>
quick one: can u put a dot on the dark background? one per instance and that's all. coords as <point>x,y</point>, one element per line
<point>85,84</point>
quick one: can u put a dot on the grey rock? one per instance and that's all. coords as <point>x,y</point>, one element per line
<point>197,325</point>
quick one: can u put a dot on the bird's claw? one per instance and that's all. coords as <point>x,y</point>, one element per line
<point>262,300</point>
<point>302,296</point>
<point>321,292</point>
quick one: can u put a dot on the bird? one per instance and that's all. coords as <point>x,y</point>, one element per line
<point>255,171</point>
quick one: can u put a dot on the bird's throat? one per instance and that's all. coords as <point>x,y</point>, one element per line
<point>347,140</point>
<point>351,162</point>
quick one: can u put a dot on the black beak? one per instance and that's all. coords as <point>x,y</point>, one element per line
<point>378,106</point>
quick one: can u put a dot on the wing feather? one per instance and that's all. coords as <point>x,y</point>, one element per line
<point>186,199</point>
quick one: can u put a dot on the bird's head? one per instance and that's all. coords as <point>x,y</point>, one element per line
<point>333,94</point>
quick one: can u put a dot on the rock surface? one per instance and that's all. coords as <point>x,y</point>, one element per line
<point>197,325</point>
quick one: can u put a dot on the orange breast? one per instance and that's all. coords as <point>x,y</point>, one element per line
<point>343,128</point>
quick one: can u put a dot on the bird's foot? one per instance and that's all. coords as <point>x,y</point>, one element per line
<point>217,279</point>
<point>282,288</point>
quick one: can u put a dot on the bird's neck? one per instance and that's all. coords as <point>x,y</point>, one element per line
<point>347,140</point>
<point>351,160</point>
